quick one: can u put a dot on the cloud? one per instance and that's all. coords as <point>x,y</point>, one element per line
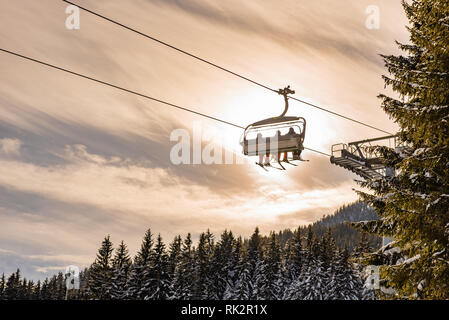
<point>63,211</point>
<point>79,160</point>
<point>316,30</point>
<point>92,179</point>
<point>319,173</point>
<point>10,146</point>
<point>35,267</point>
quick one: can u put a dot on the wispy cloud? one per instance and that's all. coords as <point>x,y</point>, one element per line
<point>10,146</point>
<point>79,160</point>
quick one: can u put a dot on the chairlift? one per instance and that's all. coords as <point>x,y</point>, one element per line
<point>273,137</point>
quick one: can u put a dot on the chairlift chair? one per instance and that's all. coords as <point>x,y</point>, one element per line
<point>274,136</point>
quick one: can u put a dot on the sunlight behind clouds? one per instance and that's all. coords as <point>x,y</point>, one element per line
<point>79,160</point>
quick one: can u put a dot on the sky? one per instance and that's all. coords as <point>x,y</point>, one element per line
<point>79,160</point>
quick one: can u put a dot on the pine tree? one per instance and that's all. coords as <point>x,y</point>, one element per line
<point>315,275</point>
<point>156,274</point>
<point>346,283</point>
<point>203,272</point>
<point>235,268</point>
<point>136,278</point>
<point>30,290</point>
<point>413,203</point>
<point>328,249</point>
<point>249,271</point>
<point>37,291</point>
<point>294,264</point>
<point>363,247</point>
<point>45,292</point>
<point>310,242</point>
<point>252,287</point>
<point>295,257</point>
<point>23,288</point>
<point>13,286</point>
<point>101,272</point>
<point>121,264</point>
<point>61,286</point>
<point>174,256</point>
<point>83,293</point>
<point>312,286</point>
<point>182,287</point>
<point>271,284</point>
<point>221,266</point>
<point>10,289</point>
<point>2,287</point>
<point>52,288</point>
<point>244,287</point>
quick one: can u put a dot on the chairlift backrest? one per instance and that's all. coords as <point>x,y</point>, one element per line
<point>274,135</point>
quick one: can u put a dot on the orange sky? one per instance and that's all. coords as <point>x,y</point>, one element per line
<point>79,160</point>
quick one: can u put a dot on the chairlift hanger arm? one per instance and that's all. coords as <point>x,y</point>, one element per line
<point>285,92</point>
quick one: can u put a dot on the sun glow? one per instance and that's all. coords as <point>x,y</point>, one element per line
<point>251,106</point>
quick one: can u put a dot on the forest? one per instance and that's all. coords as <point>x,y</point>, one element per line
<point>326,259</point>
<point>289,265</point>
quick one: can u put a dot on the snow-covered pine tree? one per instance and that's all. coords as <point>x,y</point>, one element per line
<point>236,266</point>
<point>310,240</point>
<point>413,204</point>
<point>12,286</point>
<point>294,257</point>
<point>83,292</point>
<point>61,286</point>
<point>327,249</point>
<point>270,287</point>
<point>174,256</point>
<point>363,247</point>
<point>101,272</point>
<point>328,255</point>
<point>156,274</point>
<point>121,264</point>
<point>221,265</point>
<point>315,277</point>
<point>136,276</point>
<point>294,264</point>
<point>182,287</point>
<point>345,284</point>
<point>203,272</point>
<point>293,290</point>
<point>53,287</point>
<point>45,292</point>
<point>37,291</point>
<point>10,291</point>
<point>313,283</point>
<point>2,286</point>
<point>300,287</point>
<point>255,265</point>
<point>22,289</point>
<point>250,270</point>
<point>30,290</point>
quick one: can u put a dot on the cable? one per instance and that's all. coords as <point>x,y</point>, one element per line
<point>117,87</point>
<point>169,45</point>
<point>320,152</point>
<point>340,115</point>
<point>219,67</point>
<point>132,92</point>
